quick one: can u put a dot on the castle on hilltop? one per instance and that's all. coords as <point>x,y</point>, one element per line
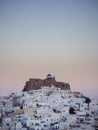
<point>35,83</point>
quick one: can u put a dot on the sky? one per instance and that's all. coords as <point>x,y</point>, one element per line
<point>38,37</point>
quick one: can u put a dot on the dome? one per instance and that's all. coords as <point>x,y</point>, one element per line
<point>49,76</point>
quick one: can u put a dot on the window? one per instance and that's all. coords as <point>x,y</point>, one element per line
<point>44,125</point>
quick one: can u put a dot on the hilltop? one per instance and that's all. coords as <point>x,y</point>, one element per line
<point>34,84</point>
<point>48,105</point>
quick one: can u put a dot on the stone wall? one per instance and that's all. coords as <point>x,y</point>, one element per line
<point>34,84</point>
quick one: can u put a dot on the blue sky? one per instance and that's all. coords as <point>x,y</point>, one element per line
<point>56,36</point>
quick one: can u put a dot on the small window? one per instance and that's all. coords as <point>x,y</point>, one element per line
<point>44,125</point>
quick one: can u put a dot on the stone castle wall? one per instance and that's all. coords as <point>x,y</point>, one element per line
<point>34,84</point>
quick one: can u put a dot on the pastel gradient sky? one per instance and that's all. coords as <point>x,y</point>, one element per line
<point>38,37</point>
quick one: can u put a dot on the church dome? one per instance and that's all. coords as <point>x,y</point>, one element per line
<point>49,76</point>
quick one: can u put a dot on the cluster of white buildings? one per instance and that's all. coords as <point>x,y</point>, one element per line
<point>47,108</point>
